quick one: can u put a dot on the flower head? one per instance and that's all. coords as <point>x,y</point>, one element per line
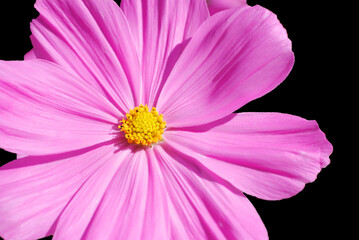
<point>143,127</point>
<point>125,118</point>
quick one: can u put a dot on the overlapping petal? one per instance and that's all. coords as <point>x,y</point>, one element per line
<point>34,190</point>
<point>44,109</point>
<point>202,208</point>
<point>156,194</point>
<point>268,155</point>
<point>92,38</point>
<point>236,56</point>
<point>134,205</point>
<point>215,6</point>
<point>161,30</point>
<point>79,212</point>
<point>30,55</point>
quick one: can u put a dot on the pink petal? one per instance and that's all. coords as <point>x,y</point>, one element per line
<point>267,155</point>
<point>30,55</point>
<point>35,190</point>
<point>20,156</point>
<point>134,205</point>
<point>160,28</point>
<point>201,208</point>
<point>44,109</point>
<point>78,213</point>
<point>215,6</point>
<point>92,38</point>
<point>236,56</point>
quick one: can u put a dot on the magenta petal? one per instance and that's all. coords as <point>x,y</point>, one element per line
<point>78,213</point>
<point>268,155</point>
<point>134,205</point>
<point>234,57</point>
<point>93,39</point>
<point>215,6</point>
<point>201,208</point>
<point>35,190</point>
<point>158,27</point>
<point>30,55</point>
<point>44,109</point>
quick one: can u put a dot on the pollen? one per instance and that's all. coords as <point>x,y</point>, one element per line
<point>143,127</point>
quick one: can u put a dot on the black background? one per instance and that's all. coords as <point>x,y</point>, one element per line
<point>312,91</point>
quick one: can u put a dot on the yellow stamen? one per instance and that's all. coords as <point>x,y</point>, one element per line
<point>143,127</point>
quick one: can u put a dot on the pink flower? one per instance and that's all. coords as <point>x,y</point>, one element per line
<point>215,6</point>
<point>99,165</point>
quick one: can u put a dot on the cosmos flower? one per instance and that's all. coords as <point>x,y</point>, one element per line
<point>215,6</point>
<point>124,118</point>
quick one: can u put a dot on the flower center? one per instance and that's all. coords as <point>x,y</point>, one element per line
<point>143,127</point>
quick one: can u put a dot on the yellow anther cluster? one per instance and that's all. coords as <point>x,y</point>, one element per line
<point>143,127</point>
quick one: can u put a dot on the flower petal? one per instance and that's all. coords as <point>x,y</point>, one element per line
<point>44,110</point>
<point>267,155</point>
<point>234,57</point>
<point>201,208</point>
<point>215,6</point>
<point>93,39</point>
<point>134,205</point>
<point>160,28</point>
<point>34,190</point>
<point>30,55</point>
<point>78,213</point>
